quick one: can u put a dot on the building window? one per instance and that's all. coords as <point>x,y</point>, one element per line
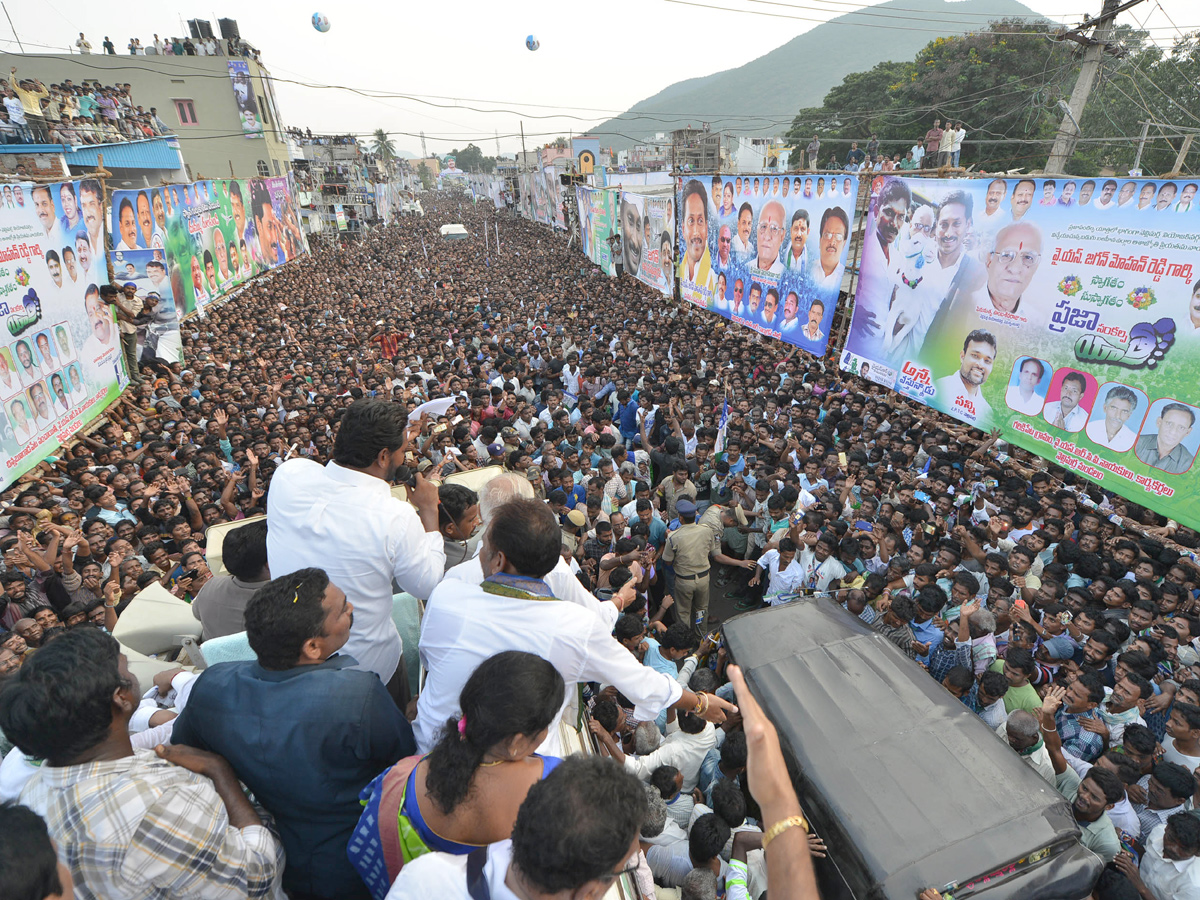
<point>262,168</point>
<point>262,109</point>
<point>275,163</point>
<point>186,112</point>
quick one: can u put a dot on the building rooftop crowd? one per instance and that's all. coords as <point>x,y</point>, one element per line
<point>74,114</point>
<point>1064,617</point>
<point>173,46</point>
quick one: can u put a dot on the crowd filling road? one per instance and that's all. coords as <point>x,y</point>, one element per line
<point>573,587</point>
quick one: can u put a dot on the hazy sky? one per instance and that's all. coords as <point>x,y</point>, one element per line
<point>591,65</point>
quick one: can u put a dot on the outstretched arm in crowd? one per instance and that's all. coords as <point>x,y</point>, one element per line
<point>226,499</point>
<point>785,829</point>
<point>182,488</point>
<point>1049,728</point>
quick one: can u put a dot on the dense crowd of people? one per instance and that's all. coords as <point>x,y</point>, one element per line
<point>1066,618</point>
<point>75,114</point>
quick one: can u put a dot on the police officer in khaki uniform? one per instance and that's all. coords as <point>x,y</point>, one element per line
<point>688,549</point>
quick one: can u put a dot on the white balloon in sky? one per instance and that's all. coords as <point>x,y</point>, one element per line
<point>532,43</point>
<point>320,22</point>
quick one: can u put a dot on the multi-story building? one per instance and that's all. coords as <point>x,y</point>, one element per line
<point>337,173</point>
<point>696,149</point>
<point>222,108</point>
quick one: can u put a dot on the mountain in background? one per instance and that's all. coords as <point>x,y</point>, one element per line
<point>762,96</point>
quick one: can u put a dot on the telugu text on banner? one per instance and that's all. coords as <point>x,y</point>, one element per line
<point>1065,312</point>
<point>215,234</point>
<point>60,351</point>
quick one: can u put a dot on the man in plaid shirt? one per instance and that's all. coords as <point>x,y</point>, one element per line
<point>129,823</point>
<point>1083,697</point>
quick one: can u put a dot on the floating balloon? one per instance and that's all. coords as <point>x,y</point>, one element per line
<point>320,22</point>
<point>532,43</point>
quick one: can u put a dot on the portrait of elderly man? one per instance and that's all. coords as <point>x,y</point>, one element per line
<point>770,238</point>
<point>631,235</point>
<point>1011,265</point>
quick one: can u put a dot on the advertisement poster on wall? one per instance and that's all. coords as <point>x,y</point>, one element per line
<point>247,103</point>
<point>647,239</point>
<point>158,340</point>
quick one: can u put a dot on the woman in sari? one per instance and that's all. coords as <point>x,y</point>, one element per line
<point>465,793</point>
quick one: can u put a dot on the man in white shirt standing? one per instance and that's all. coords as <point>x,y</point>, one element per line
<point>561,579</point>
<point>342,517</point>
<point>514,609</point>
<point>784,572</point>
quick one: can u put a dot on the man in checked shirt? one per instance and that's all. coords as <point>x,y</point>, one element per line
<point>164,823</point>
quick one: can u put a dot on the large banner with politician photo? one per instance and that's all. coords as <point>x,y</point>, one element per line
<point>215,234</point>
<point>60,351</point>
<point>647,239</point>
<point>768,252</point>
<point>1065,312</point>
<point>158,338</point>
<point>597,223</point>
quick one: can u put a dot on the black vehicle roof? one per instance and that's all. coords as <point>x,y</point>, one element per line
<point>897,772</point>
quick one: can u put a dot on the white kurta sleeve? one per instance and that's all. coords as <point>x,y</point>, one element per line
<point>603,659</point>
<point>420,555</point>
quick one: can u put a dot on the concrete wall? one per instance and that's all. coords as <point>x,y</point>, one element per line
<point>211,147</point>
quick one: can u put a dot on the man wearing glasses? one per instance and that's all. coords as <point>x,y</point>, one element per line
<point>835,227</point>
<point>1010,268</point>
<point>770,238</point>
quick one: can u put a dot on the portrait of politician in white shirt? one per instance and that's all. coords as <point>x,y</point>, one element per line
<point>1070,411</point>
<point>1117,418</point>
<point>1027,387</point>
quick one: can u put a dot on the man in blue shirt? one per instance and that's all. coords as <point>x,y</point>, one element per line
<point>627,410</point>
<point>301,729</point>
<point>930,603</point>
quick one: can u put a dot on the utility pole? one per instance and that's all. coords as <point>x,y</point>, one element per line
<point>1137,160</point>
<point>520,170</point>
<point>1096,46</point>
<point>424,152</point>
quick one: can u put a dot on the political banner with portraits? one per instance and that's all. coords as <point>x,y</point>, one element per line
<point>158,338</point>
<point>60,353</point>
<point>247,104</point>
<point>768,252</point>
<point>1065,312</point>
<point>647,236</point>
<point>215,234</point>
<point>597,223</point>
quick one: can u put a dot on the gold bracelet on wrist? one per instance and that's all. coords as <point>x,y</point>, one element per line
<point>699,707</point>
<point>781,826</point>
